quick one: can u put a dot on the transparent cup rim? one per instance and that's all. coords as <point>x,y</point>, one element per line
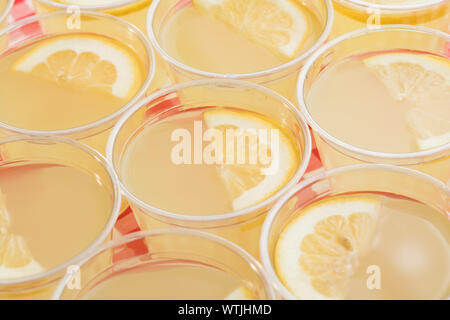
<point>383,156</point>
<point>271,216</point>
<point>240,76</point>
<point>102,16</point>
<point>256,266</point>
<point>114,5</point>
<point>109,224</point>
<point>5,13</point>
<point>306,155</point>
<point>364,5</point>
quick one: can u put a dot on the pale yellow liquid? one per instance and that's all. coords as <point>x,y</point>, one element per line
<point>2,6</point>
<point>147,170</point>
<point>165,281</point>
<point>346,19</point>
<point>30,102</point>
<point>3,21</point>
<point>151,175</point>
<point>202,42</point>
<point>58,210</point>
<point>411,248</point>
<point>349,102</point>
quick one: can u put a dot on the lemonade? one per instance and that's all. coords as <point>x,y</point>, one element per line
<point>44,203</point>
<point>181,265</point>
<point>361,232</point>
<point>238,39</point>
<point>174,282</point>
<point>88,208</point>
<point>76,83</point>
<point>226,56</point>
<point>65,89</point>
<point>352,14</point>
<point>219,188</point>
<point>134,11</point>
<point>415,120</point>
<point>5,7</point>
<point>393,104</point>
<point>383,233</point>
<point>241,144</point>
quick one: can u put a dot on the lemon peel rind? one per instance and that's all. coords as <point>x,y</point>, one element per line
<point>106,50</point>
<point>288,253</point>
<point>287,153</point>
<point>13,273</point>
<point>298,33</point>
<point>428,62</point>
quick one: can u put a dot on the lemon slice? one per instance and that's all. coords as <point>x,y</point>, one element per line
<point>15,258</point>
<point>86,61</point>
<point>241,293</point>
<point>431,131</point>
<point>416,77</point>
<point>423,81</point>
<point>318,251</point>
<point>249,182</point>
<point>279,25</point>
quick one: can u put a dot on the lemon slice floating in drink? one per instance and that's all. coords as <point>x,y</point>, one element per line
<point>319,250</point>
<point>424,81</point>
<point>16,260</point>
<point>85,61</point>
<point>279,25</point>
<point>241,293</point>
<point>431,131</point>
<point>249,182</point>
